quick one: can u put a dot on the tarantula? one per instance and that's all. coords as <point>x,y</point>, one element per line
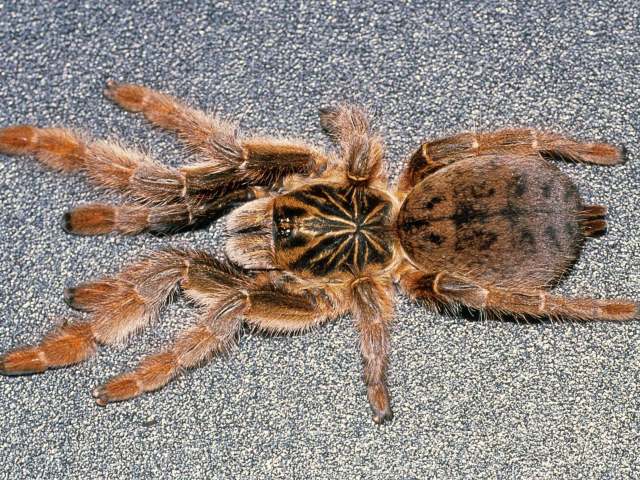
<point>480,220</point>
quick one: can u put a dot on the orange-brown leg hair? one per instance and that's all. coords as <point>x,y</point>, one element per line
<point>434,155</point>
<point>68,344</point>
<point>260,162</point>
<point>228,163</point>
<point>100,218</point>
<point>529,302</point>
<point>213,334</point>
<point>362,147</point>
<point>203,133</point>
<point>371,308</point>
<point>130,300</point>
<point>419,286</point>
<point>106,163</point>
<point>261,305</point>
<point>251,160</point>
<point>121,305</point>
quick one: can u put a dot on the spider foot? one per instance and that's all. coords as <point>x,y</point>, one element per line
<point>329,116</point>
<point>624,154</point>
<point>380,404</point>
<point>24,361</point>
<point>17,139</point>
<point>97,296</point>
<point>116,390</point>
<point>129,97</point>
<point>93,219</point>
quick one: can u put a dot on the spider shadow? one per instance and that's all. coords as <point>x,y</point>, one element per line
<point>199,225</point>
<point>474,315</point>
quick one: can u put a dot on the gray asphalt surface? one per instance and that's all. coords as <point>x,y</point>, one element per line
<point>472,399</point>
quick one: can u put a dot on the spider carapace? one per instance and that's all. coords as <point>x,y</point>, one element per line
<point>480,220</point>
<point>324,229</point>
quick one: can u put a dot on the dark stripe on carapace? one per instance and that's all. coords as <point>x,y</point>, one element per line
<point>325,228</point>
<point>294,241</point>
<point>320,203</point>
<point>312,257</point>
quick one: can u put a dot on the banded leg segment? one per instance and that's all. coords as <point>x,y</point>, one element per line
<point>434,155</point>
<point>67,345</point>
<point>128,171</point>
<point>99,218</point>
<point>535,303</point>
<point>107,164</point>
<point>214,334</point>
<point>262,305</point>
<point>169,198</point>
<point>362,147</point>
<point>230,162</point>
<point>250,160</point>
<point>117,307</point>
<point>419,286</point>
<point>203,133</point>
<point>128,301</point>
<point>371,307</point>
<point>262,162</point>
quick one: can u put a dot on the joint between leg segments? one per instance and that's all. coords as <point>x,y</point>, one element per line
<point>183,180</point>
<point>543,302</point>
<point>476,144</point>
<point>534,139</point>
<point>425,153</point>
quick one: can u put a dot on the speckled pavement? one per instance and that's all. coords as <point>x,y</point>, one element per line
<point>472,399</point>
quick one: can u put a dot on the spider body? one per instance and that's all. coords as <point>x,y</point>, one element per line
<point>477,219</point>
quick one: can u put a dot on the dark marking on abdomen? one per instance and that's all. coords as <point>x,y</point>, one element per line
<point>474,190</point>
<point>433,202</point>
<point>475,239</point>
<point>412,224</point>
<point>570,192</point>
<point>552,236</point>
<point>570,229</point>
<point>466,213</point>
<point>527,239</point>
<point>512,213</point>
<point>520,185</point>
<point>435,238</point>
<point>495,239</point>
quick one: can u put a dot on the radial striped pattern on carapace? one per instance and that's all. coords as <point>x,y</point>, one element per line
<point>322,229</point>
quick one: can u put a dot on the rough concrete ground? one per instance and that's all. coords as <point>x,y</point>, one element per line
<point>481,399</point>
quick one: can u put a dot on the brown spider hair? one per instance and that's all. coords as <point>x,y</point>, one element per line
<point>477,219</point>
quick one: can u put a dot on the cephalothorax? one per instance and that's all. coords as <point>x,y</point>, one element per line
<point>478,220</point>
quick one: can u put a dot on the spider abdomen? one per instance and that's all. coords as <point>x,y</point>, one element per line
<point>502,219</point>
<point>323,229</point>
